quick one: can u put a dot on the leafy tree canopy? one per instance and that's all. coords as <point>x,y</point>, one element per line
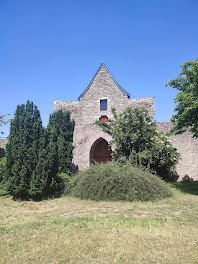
<point>135,138</point>
<point>186,116</point>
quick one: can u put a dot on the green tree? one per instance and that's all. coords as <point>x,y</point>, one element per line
<point>35,154</point>
<point>55,156</point>
<point>44,181</point>
<point>186,116</point>
<point>22,149</point>
<point>135,138</point>
<point>61,127</point>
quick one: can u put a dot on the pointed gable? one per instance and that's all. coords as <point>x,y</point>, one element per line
<point>103,68</point>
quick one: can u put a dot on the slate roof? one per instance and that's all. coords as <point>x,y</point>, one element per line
<point>119,86</point>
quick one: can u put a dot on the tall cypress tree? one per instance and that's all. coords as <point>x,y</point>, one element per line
<point>22,149</point>
<point>55,156</point>
<point>44,181</point>
<point>61,127</point>
<point>35,154</point>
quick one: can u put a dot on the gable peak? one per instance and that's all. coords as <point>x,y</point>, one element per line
<point>103,66</point>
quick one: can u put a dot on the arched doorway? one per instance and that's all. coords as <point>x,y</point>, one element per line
<point>100,151</point>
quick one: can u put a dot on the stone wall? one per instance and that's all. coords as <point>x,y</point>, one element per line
<point>84,138</point>
<point>187,146</point>
<point>144,103</point>
<point>3,142</point>
<point>87,112</point>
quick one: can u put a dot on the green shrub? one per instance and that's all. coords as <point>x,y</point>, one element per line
<point>64,182</point>
<point>2,176</point>
<point>114,181</point>
<point>2,168</point>
<point>136,139</point>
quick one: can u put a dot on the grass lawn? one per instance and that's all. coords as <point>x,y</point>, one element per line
<point>68,230</point>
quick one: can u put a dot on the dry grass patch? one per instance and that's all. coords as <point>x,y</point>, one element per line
<point>69,230</point>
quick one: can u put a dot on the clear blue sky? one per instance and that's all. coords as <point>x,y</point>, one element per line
<point>50,49</point>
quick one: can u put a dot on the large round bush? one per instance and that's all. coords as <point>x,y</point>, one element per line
<point>113,181</point>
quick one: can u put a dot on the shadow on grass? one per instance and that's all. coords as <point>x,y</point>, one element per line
<point>186,187</point>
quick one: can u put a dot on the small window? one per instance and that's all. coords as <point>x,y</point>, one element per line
<point>103,105</point>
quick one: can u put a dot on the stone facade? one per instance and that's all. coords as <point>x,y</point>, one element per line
<point>87,110</point>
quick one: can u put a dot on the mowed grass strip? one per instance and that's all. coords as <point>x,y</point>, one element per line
<point>69,230</point>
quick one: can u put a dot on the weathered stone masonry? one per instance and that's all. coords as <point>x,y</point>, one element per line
<point>87,110</point>
<point>187,146</point>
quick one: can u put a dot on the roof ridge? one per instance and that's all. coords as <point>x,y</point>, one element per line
<point>103,65</point>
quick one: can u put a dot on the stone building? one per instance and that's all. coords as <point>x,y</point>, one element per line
<point>92,144</point>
